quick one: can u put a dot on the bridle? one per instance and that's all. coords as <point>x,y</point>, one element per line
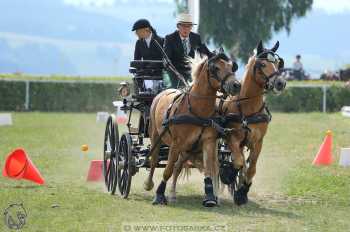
<point>212,72</point>
<point>270,57</point>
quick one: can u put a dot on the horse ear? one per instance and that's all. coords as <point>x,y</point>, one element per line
<point>221,50</point>
<point>259,48</point>
<point>234,66</point>
<point>274,49</point>
<point>280,63</point>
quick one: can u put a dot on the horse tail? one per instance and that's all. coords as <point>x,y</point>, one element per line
<point>186,171</point>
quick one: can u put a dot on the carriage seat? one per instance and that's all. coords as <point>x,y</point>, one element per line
<point>148,78</point>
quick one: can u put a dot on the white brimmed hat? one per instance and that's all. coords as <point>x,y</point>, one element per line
<point>185,18</point>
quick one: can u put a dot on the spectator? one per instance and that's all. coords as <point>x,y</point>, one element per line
<point>298,70</point>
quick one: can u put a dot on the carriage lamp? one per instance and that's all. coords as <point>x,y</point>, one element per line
<point>124,89</point>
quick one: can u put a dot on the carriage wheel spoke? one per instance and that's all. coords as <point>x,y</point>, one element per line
<point>111,176</point>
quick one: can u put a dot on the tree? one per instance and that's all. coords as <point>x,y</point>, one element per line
<point>238,25</point>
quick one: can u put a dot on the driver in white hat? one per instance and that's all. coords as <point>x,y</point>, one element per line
<point>183,43</point>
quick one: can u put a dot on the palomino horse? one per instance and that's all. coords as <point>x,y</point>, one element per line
<point>249,117</point>
<point>245,115</point>
<point>182,120</point>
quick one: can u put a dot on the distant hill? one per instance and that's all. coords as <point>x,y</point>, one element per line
<point>57,20</point>
<point>51,37</point>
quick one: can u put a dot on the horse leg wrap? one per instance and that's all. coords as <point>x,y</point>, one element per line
<point>208,186</point>
<point>209,200</point>
<point>160,197</point>
<point>161,187</point>
<point>241,195</point>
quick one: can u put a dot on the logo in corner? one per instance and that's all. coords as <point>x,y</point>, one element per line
<point>15,216</point>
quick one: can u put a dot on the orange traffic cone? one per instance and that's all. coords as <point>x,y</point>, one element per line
<point>19,166</point>
<point>95,170</point>
<point>324,155</point>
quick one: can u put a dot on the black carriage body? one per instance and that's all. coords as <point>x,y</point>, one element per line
<point>147,82</point>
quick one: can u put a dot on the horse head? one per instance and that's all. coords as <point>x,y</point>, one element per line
<point>267,68</point>
<point>221,73</point>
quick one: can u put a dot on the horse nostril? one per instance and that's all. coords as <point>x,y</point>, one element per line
<point>280,85</point>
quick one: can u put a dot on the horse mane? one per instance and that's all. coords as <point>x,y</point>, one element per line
<point>249,67</point>
<point>197,64</point>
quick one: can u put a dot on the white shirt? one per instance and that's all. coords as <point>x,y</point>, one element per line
<point>148,40</point>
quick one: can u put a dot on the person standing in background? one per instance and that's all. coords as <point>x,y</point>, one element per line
<point>298,69</point>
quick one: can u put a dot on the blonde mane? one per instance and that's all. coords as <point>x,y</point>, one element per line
<point>196,66</point>
<point>248,68</point>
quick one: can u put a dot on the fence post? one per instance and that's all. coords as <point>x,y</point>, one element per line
<point>27,100</point>
<point>324,98</point>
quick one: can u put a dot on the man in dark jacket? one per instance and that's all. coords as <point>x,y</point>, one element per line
<point>145,48</point>
<point>181,44</point>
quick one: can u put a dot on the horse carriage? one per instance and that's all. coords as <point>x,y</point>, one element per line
<point>125,153</point>
<point>164,117</point>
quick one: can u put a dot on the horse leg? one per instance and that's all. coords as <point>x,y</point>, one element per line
<point>210,162</point>
<point>236,153</point>
<point>168,171</point>
<point>253,159</point>
<point>241,195</point>
<point>148,184</point>
<point>177,170</point>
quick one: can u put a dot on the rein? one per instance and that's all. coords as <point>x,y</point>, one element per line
<point>169,65</point>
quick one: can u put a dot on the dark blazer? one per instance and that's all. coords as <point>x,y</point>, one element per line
<point>174,49</point>
<point>142,52</point>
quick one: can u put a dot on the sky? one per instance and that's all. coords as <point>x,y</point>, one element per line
<point>332,6</point>
<point>329,6</point>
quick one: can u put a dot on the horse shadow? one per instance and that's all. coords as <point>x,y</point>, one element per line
<point>226,206</point>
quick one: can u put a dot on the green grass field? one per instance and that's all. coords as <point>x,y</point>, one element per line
<point>288,194</point>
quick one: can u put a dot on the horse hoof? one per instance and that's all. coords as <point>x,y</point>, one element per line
<point>240,199</point>
<point>160,199</point>
<point>241,195</point>
<point>210,201</point>
<point>148,185</point>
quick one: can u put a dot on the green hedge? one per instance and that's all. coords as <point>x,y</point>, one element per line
<point>98,96</point>
<point>58,96</point>
<point>296,99</point>
<point>12,95</point>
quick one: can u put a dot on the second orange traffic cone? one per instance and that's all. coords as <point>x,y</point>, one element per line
<point>324,154</point>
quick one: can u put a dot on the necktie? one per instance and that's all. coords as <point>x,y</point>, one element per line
<point>184,44</point>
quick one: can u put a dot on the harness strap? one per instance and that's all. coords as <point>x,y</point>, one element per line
<point>158,140</point>
<point>256,118</point>
<point>196,143</point>
<point>214,122</point>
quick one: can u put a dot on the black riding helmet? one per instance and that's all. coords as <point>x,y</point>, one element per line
<point>141,23</point>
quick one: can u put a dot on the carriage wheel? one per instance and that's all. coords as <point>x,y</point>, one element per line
<point>125,165</point>
<point>110,148</point>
